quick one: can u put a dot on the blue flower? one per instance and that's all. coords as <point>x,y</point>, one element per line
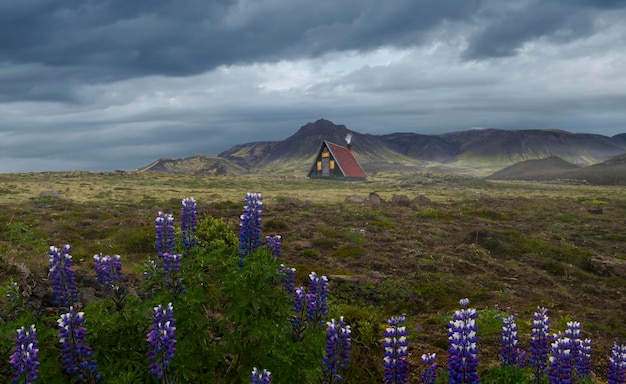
<point>462,346</point>
<point>262,377</point>
<point>75,353</point>
<point>560,363</point>
<point>510,352</point>
<point>288,278</point>
<point>572,331</point>
<point>164,229</point>
<point>189,222</point>
<point>250,225</point>
<point>274,243</point>
<point>429,376</point>
<point>171,272</point>
<point>539,342</point>
<point>583,367</point>
<point>317,298</point>
<point>108,269</point>
<point>62,277</point>
<point>299,308</point>
<point>395,353</point>
<point>338,345</point>
<point>617,364</point>
<point>162,340</point>
<point>25,359</point>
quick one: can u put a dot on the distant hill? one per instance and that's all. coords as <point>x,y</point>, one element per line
<point>610,172</point>
<point>478,152</point>
<point>197,165</point>
<point>537,169</point>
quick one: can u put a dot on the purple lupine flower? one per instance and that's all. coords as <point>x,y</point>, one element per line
<point>274,243</point>
<point>560,363</point>
<point>617,364</point>
<point>108,269</point>
<point>260,377</point>
<point>583,369</point>
<point>539,342</point>
<point>162,340</point>
<point>572,331</point>
<point>159,229</point>
<point>337,356</point>
<point>462,346</point>
<point>189,221</point>
<point>250,225</point>
<point>317,298</point>
<point>62,277</point>
<point>429,376</point>
<point>288,278</point>
<point>395,344</point>
<point>25,359</point>
<point>171,272</point>
<point>510,352</point>
<point>75,353</point>
<point>164,228</point>
<point>299,307</point>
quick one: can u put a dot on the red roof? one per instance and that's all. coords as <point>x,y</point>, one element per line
<point>346,161</point>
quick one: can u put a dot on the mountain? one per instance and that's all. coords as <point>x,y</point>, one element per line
<point>520,145</point>
<point>537,169</point>
<point>296,153</point>
<point>610,172</point>
<point>197,165</point>
<point>477,152</point>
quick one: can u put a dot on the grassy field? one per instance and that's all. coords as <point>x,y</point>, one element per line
<point>515,244</point>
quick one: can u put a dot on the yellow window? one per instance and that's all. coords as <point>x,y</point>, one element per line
<point>332,164</point>
<point>319,165</point>
<point>325,154</point>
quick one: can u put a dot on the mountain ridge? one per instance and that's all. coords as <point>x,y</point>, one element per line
<point>475,152</point>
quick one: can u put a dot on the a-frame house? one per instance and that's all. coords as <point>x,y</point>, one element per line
<point>335,161</point>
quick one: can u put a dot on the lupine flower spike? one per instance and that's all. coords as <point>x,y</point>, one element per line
<point>617,364</point>
<point>560,363</point>
<point>162,341</point>
<point>317,298</point>
<point>288,278</point>
<point>429,376</point>
<point>25,359</point>
<point>539,343</point>
<point>274,243</point>
<point>76,354</point>
<point>572,331</point>
<point>62,277</point>
<point>510,353</point>
<point>108,269</point>
<point>395,354</point>
<point>250,226</point>
<point>260,377</point>
<point>171,273</point>
<point>584,369</point>
<point>337,357</point>
<point>462,346</point>
<point>164,228</point>
<point>297,320</point>
<point>188,223</point>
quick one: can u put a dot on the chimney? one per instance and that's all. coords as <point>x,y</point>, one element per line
<point>349,141</point>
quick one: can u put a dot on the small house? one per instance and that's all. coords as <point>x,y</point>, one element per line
<point>335,161</point>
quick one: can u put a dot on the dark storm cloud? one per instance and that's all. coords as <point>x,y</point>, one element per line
<point>117,84</point>
<point>505,28</point>
<point>101,41</point>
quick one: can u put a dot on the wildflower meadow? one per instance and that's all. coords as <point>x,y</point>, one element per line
<point>215,306</point>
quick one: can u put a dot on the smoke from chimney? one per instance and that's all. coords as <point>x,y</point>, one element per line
<point>348,138</point>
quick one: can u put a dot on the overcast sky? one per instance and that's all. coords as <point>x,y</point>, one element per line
<point>117,84</point>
